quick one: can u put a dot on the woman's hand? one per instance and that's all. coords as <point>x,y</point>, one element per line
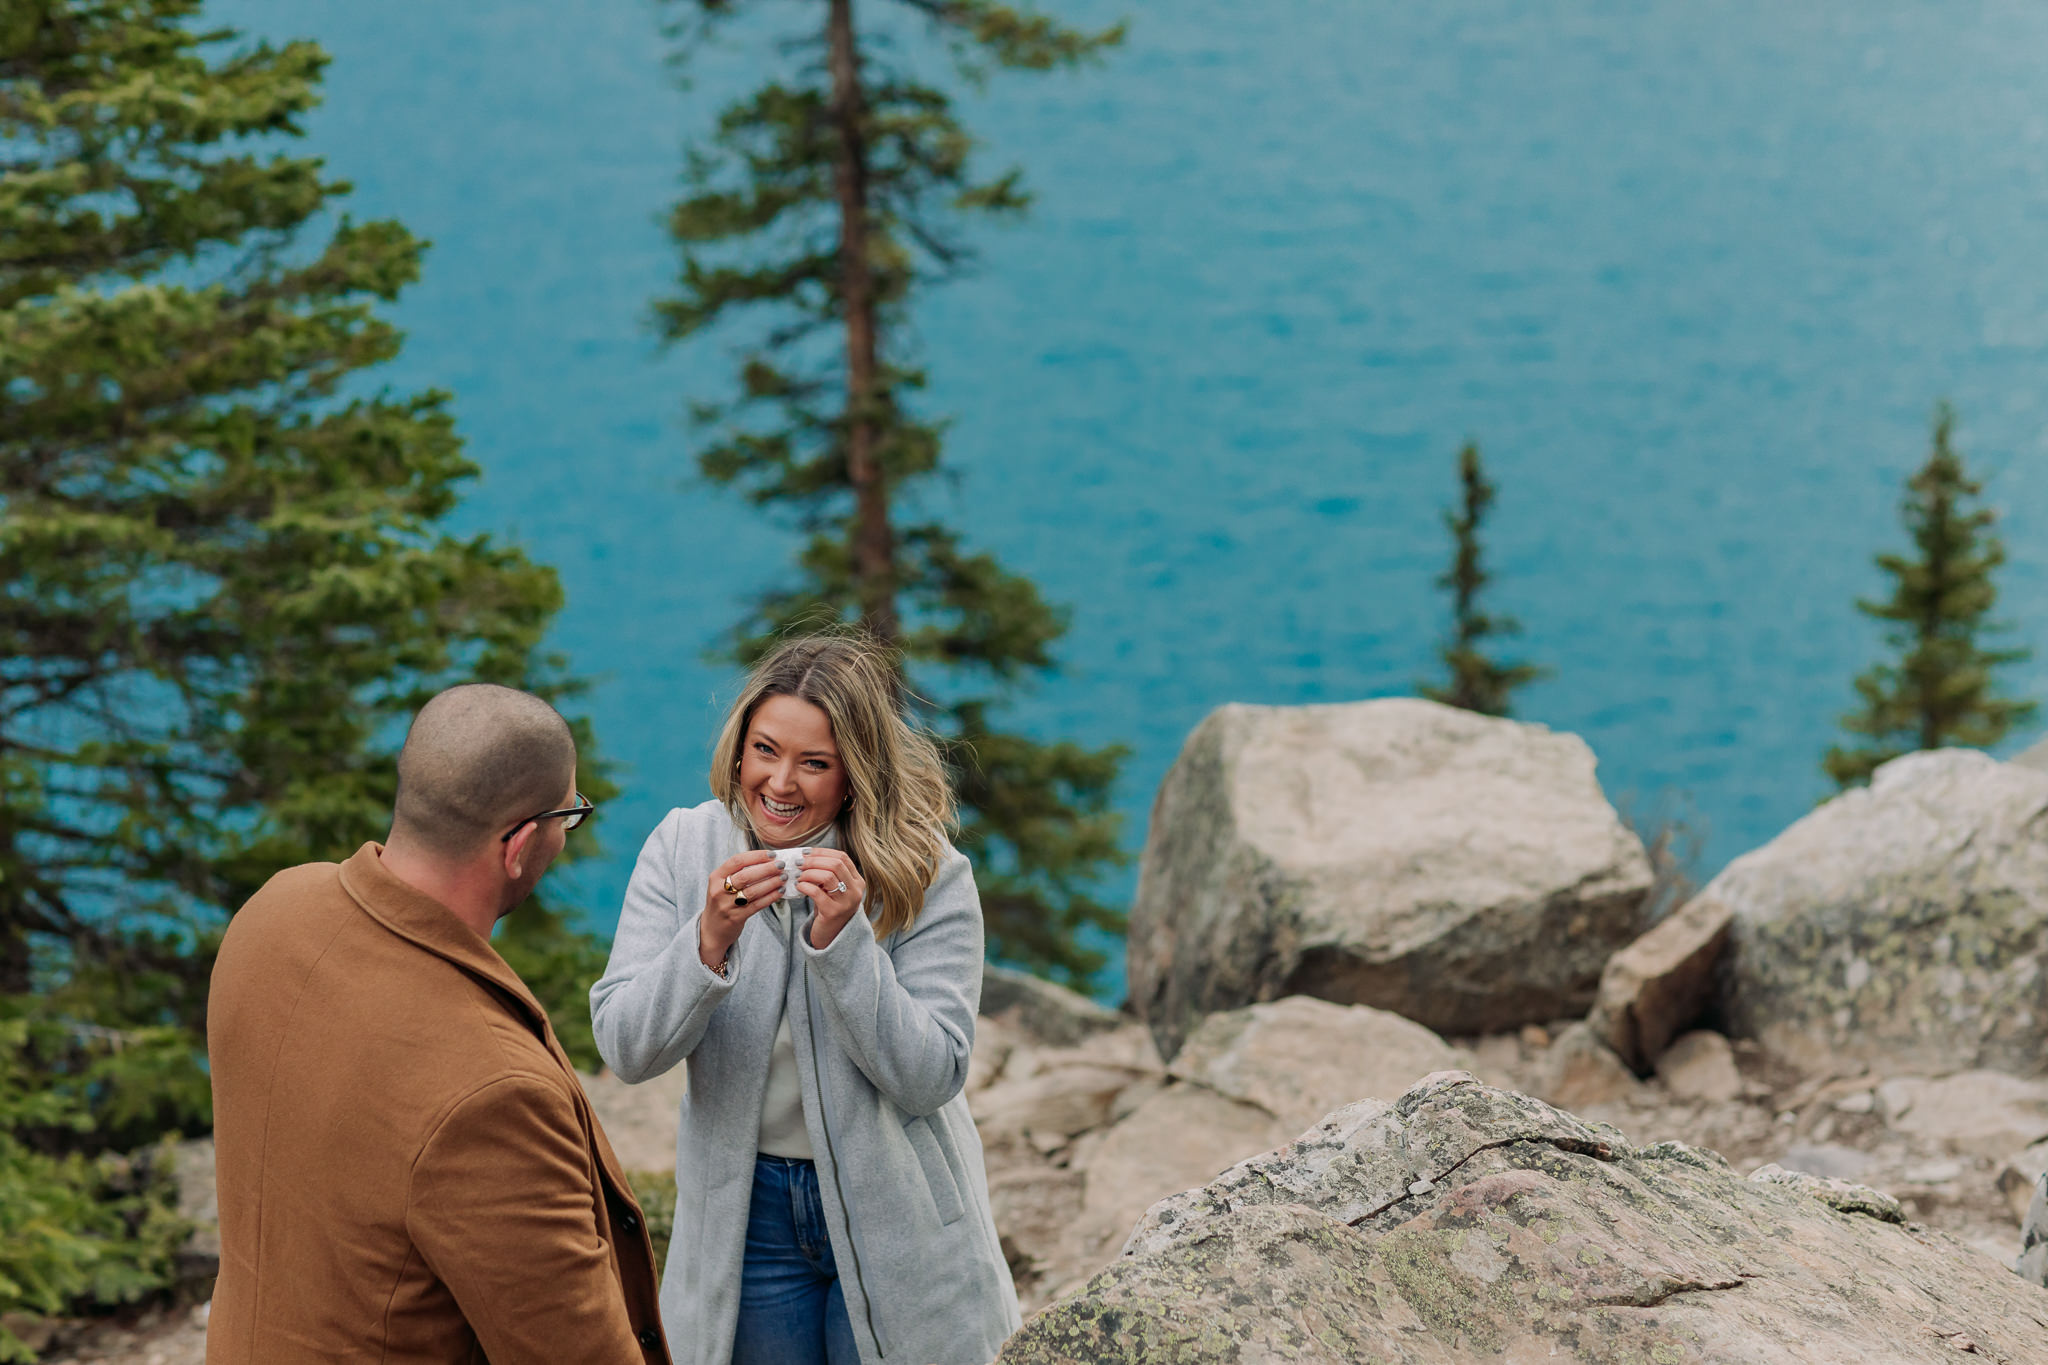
<point>835,887</point>
<point>740,888</point>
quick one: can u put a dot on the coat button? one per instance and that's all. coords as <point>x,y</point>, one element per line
<point>630,1222</point>
<point>650,1338</point>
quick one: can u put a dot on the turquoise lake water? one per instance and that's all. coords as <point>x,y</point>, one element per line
<point>1694,276</point>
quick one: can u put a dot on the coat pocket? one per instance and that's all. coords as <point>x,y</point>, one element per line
<point>938,1172</point>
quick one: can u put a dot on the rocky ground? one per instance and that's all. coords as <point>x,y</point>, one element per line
<point>1958,1154</point>
<point>1086,1129</point>
<point>1460,1223</point>
<point>155,1337</point>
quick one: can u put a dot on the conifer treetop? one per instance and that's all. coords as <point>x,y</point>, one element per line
<point>1940,687</point>
<point>1477,681</point>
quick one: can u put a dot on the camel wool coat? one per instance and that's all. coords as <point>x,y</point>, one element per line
<point>408,1170</point>
<point>883,1030</point>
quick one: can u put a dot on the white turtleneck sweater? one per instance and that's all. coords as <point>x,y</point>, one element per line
<point>782,1103</point>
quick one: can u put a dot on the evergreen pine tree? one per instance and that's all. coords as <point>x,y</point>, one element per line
<point>1940,691</point>
<point>223,579</point>
<point>819,207</point>
<point>1477,682</point>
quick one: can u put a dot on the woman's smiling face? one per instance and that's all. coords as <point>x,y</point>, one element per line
<point>790,774</point>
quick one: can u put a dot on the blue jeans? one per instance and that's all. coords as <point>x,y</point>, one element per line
<point>791,1309</point>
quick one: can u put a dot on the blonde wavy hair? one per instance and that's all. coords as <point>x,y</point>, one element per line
<point>900,807</point>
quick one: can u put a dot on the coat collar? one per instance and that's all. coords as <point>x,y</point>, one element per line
<point>418,918</point>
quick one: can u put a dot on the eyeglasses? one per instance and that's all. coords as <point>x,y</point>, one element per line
<point>571,817</point>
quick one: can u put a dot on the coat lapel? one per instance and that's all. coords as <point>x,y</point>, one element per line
<point>419,918</point>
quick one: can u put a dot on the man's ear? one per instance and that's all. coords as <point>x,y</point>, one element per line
<point>517,849</point>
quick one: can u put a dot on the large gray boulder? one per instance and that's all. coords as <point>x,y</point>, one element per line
<point>1903,925</point>
<point>1462,1224</point>
<point>1460,870</point>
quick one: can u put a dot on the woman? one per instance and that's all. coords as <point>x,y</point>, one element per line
<point>831,1205</point>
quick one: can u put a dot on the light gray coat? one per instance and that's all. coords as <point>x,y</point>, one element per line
<point>883,1032</point>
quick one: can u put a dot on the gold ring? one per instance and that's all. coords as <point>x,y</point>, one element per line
<point>730,889</point>
<point>739,898</point>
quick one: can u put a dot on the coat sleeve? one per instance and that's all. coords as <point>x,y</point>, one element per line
<point>906,1016</point>
<point>503,1210</point>
<point>650,1008</point>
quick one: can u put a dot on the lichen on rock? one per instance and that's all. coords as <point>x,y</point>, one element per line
<point>1904,925</point>
<point>1535,1236</point>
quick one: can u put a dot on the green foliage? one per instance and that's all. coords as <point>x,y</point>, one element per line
<point>225,582</point>
<point>1941,690</point>
<point>815,212</point>
<point>1477,682</point>
<point>656,1191</point>
<point>223,579</point>
<point>77,1230</point>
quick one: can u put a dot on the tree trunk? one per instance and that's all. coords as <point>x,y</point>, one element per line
<point>16,976</point>
<point>873,540</point>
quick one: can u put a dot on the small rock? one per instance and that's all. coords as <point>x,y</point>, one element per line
<point>1983,1113</point>
<point>1052,1016</point>
<point>1034,1207</point>
<point>1895,1097</point>
<point>1497,1060</point>
<point>995,1044</point>
<point>1299,1058</point>
<point>1421,1187</point>
<point>1045,1144</point>
<point>1933,1173</point>
<point>1826,1161</point>
<point>1656,987</point>
<point>2018,1176</point>
<point>1859,1102</point>
<point>1840,1195</point>
<point>1700,1066</point>
<point>1062,1097</point>
<point>1535,1036</point>
<point>2033,1262</point>
<point>1581,1071</point>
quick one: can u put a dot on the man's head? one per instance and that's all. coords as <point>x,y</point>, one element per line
<point>479,762</point>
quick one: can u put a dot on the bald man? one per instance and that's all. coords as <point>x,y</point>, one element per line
<point>408,1169</point>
